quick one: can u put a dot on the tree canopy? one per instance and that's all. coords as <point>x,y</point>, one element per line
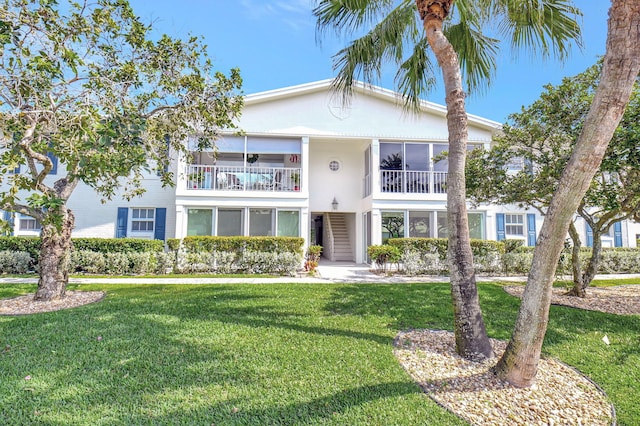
<point>540,140</point>
<point>88,91</point>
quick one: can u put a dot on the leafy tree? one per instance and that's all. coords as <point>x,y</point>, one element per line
<point>541,138</point>
<point>621,65</point>
<point>454,38</point>
<point>82,82</point>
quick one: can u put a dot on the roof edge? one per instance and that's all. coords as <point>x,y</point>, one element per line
<point>363,88</point>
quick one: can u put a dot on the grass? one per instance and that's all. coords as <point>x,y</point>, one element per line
<point>265,355</point>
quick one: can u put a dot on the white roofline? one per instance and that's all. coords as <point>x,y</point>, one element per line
<point>364,88</point>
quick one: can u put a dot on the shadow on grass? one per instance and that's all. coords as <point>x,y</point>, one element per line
<point>168,355</point>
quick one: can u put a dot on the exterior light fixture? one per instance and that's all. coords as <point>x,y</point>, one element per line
<point>334,204</point>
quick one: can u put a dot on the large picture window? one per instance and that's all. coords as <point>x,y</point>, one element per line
<point>288,223</point>
<point>230,222</point>
<point>199,222</point>
<point>392,225</point>
<point>427,224</point>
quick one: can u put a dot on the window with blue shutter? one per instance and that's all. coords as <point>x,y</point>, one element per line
<point>500,227</point>
<point>161,219</point>
<point>531,229</point>
<point>617,234</point>
<point>122,222</point>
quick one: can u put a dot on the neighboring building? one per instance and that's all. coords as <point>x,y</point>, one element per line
<point>344,177</point>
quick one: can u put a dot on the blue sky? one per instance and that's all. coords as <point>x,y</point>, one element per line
<point>274,44</point>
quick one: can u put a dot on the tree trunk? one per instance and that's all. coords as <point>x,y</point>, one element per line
<point>576,264</point>
<point>54,259</point>
<point>471,337</point>
<point>519,364</point>
<point>580,286</point>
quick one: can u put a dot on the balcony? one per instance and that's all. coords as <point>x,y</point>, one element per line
<point>240,178</point>
<point>415,182</point>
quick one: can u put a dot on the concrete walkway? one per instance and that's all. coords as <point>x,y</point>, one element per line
<point>328,272</point>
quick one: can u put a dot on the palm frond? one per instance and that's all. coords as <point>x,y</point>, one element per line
<point>416,76</point>
<point>476,52</point>
<point>347,16</point>
<point>364,57</point>
<point>544,27</point>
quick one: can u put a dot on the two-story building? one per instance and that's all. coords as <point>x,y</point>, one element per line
<point>344,177</point>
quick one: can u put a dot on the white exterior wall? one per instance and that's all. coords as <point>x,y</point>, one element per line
<point>327,131</point>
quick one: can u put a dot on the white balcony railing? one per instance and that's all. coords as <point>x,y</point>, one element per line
<point>239,178</point>
<point>404,181</point>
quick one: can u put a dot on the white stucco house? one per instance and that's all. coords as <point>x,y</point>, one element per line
<point>344,177</point>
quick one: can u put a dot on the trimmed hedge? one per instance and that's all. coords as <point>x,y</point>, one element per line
<point>118,245</point>
<point>427,256</point>
<point>239,245</point>
<point>103,245</point>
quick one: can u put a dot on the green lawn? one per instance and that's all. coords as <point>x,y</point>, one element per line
<point>265,355</point>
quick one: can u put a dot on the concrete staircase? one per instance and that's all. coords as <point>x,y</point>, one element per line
<point>342,250</point>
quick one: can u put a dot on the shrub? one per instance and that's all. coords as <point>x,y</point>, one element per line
<point>15,262</point>
<point>89,262</point>
<point>312,258</point>
<point>118,245</point>
<point>116,263</point>
<point>383,255</point>
<point>511,245</point>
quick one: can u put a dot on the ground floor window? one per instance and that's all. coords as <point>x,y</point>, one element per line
<point>230,222</point>
<point>514,225</point>
<point>426,224</point>
<point>142,220</point>
<point>28,223</point>
<point>199,222</point>
<point>288,223</point>
<point>392,225</point>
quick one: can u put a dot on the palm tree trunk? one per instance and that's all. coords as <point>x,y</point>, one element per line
<point>471,337</point>
<point>519,364</point>
<point>54,258</point>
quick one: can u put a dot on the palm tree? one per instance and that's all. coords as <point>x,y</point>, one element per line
<point>620,70</point>
<point>394,32</point>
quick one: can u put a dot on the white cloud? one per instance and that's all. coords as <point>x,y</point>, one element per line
<point>293,13</point>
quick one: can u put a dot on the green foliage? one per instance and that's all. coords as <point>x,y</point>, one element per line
<point>439,246</point>
<point>511,245</point>
<point>388,32</point>
<point>231,335</point>
<point>173,243</point>
<point>383,255</point>
<point>118,245</point>
<point>312,258</point>
<point>119,263</point>
<point>238,245</point>
<point>30,245</point>
<point>92,85</point>
<point>16,262</point>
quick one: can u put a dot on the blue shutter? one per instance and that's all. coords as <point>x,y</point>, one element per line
<point>16,170</point>
<point>531,229</point>
<point>121,223</point>
<point>589,235</point>
<point>54,161</point>
<point>161,219</point>
<point>500,226</point>
<point>8,217</point>
<point>617,234</point>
